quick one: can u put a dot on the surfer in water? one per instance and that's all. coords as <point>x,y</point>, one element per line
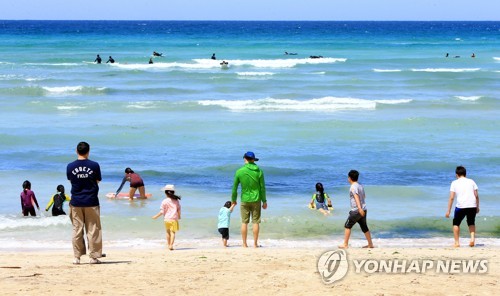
<point>213,57</point>
<point>98,59</point>
<point>290,53</point>
<point>315,57</point>
<point>150,61</point>
<point>136,182</point>
<point>110,60</point>
<point>156,54</point>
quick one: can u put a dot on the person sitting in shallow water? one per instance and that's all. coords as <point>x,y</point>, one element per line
<point>320,199</point>
<point>110,60</point>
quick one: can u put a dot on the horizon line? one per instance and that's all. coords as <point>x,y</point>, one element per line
<point>249,20</point>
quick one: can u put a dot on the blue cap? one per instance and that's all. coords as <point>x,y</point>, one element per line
<point>250,155</point>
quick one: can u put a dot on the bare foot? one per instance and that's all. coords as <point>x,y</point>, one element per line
<point>343,246</point>
<point>257,246</point>
<point>368,247</point>
<point>456,246</point>
<point>472,244</point>
<point>245,246</point>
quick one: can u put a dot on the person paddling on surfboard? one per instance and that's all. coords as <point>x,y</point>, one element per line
<point>320,199</point>
<point>110,60</point>
<point>136,182</point>
<point>156,54</point>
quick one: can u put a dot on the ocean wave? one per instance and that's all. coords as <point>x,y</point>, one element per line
<point>213,64</point>
<point>254,73</point>
<point>452,70</point>
<point>496,58</point>
<point>470,98</point>
<point>52,64</point>
<point>386,70</point>
<point>142,105</point>
<point>393,102</point>
<point>14,223</point>
<point>69,108</point>
<point>325,104</point>
<point>65,90</point>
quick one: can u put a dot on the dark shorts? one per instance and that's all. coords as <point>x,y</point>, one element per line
<point>136,185</point>
<point>29,211</point>
<point>355,217</point>
<point>321,205</point>
<point>461,213</point>
<point>224,232</point>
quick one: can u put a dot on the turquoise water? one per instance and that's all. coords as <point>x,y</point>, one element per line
<point>384,100</point>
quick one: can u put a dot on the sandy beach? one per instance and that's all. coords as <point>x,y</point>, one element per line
<point>231,271</point>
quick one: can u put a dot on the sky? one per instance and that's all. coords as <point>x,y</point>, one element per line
<point>332,10</point>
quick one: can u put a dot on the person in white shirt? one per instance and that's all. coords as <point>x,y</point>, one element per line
<point>467,204</point>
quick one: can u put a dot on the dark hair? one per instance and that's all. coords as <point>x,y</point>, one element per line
<point>354,175</point>
<point>227,204</point>
<point>83,148</point>
<point>170,194</point>
<point>461,171</point>
<point>129,171</point>
<point>60,188</point>
<point>319,187</point>
<point>26,185</point>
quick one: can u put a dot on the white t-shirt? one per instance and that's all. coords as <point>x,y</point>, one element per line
<point>464,189</point>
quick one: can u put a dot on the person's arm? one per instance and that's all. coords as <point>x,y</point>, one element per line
<point>158,215</point>
<point>312,200</point>
<point>450,203</point>
<point>22,207</point>
<point>179,211</point>
<point>477,200</point>
<point>121,185</point>
<point>234,194</point>
<point>36,202</point>
<point>263,191</point>
<point>358,205</point>
<point>51,202</point>
<point>328,200</point>
<point>232,208</point>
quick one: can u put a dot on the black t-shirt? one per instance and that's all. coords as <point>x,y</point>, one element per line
<point>83,175</point>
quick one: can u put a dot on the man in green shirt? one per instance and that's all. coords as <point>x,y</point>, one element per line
<point>253,193</point>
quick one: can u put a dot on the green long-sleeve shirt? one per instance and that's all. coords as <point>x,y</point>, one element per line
<point>253,187</point>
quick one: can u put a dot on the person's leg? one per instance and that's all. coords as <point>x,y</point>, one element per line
<point>256,229</point>
<point>364,227</point>
<point>32,212</point>
<point>456,235</point>
<point>172,240</point>
<point>168,238</point>
<point>76,216</point>
<point>131,193</point>
<point>245,219</point>
<point>94,231</point>
<point>347,235</point>
<point>471,222</point>
<point>458,216</point>
<point>142,191</point>
<point>244,229</point>
<point>256,211</point>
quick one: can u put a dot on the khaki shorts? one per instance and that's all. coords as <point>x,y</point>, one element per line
<point>172,225</point>
<point>248,209</point>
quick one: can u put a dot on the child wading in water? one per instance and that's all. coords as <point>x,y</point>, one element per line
<point>319,198</point>
<point>224,221</point>
<point>357,214</point>
<point>57,200</point>
<point>171,210</point>
<point>28,200</point>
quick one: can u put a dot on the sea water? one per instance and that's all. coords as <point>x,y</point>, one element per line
<point>384,100</point>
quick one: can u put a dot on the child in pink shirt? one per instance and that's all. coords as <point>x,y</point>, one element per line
<point>171,210</point>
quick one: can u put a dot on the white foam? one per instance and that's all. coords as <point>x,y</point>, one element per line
<point>453,70</point>
<point>393,102</point>
<point>12,223</point>
<point>141,105</point>
<point>386,70</point>
<point>67,108</point>
<point>254,73</point>
<point>63,89</point>
<point>471,98</point>
<point>496,58</point>
<point>52,64</point>
<point>325,104</point>
<point>318,73</point>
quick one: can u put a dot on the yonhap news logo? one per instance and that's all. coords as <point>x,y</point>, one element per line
<point>333,266</point>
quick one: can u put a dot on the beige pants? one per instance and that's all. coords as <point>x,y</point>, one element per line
<point>90,218</point>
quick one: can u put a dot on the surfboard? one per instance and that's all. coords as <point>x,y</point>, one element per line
<point>313,207</point>
<point>224,65</point>
<point>124,195</point>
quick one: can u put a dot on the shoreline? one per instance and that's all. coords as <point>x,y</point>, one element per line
<point>265,271</point>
